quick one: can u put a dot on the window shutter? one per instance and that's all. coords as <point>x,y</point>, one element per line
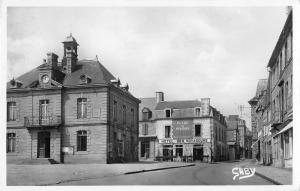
<point>143,129</point>
<point>17,114</point>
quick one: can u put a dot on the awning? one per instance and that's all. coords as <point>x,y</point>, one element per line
<point>287,127</point>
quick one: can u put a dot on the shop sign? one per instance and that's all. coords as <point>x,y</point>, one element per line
<point>193,140</point>
<point>182,129</point>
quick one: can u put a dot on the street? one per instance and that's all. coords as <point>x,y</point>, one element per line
<point>200,174</point>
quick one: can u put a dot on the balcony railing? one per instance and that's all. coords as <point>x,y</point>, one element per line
<point>36,121</point>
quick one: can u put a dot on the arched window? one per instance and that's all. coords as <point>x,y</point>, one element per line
<point>81,140</point>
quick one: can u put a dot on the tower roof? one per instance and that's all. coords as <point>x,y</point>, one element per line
<point>70,38</point>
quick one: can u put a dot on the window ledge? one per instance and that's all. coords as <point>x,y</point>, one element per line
<point>81,152</point>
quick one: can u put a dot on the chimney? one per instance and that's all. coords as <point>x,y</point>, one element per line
<point>159,97</point>
<point>52,60</point>
<point>205,104</point>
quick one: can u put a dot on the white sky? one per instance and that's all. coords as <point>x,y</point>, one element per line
<point>188,53</point>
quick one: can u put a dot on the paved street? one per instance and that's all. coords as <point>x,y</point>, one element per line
<point>201,174</point>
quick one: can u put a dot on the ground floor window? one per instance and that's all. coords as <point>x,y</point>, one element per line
<point>81,140</point>
<point>145,149</point>
<point>11,142</point>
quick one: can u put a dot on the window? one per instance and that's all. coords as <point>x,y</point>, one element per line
<point>124,114</point>
<point>115,110</point>
<point>286,95</point>
<point>286,53</point>
<point>280,64</point>
<point>81,108</point>
<point>286,145</point>
<point>44,109</point>
<point>81,140</point>
<point>132,117</point>
<point>145,129</point>
<point>168,113</point>
<point>197,130</point>
<point>120,145</point>
<point>197,111</point>
<point>167,131</point>
<point>11,142</point>
<point>146,114</point>
<point>11,111</point>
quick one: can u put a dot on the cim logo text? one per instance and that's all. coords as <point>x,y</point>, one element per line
<point>242,173</point>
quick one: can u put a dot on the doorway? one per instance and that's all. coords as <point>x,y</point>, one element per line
<point>43,145</point>
<point>198,152</point>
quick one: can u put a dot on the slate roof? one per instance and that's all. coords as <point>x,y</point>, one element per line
<point>178,104</point>
<point>149,103</point>
<point>94,69</point>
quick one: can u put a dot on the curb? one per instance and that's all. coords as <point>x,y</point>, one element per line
<point>156,169</point>
<point>267,178</point>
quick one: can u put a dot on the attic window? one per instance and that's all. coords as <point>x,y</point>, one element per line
<point>197,111</point>
<point>84,79</point>
<point>15,83</point>
<point>168,113</point>
<point>147,114</point>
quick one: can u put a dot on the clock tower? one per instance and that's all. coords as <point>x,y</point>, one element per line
<point>70,54</point>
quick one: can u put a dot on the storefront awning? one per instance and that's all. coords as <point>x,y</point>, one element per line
<point>287,127</point>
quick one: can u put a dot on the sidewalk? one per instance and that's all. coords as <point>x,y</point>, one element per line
<point>275,175</point>
<point>278,176</point>
<point>30,175</point>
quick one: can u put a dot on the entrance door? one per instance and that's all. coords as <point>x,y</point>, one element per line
<point>198,153</point>
<point>43,145</point>
<point>145,149</point>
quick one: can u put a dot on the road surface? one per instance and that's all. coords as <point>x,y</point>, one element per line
<point>200,174</point>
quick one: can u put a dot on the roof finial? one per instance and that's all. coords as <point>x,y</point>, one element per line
<point>97,57</point>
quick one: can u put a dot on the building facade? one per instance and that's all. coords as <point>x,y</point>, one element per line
<point>71,111</point>
<point>281,91</point>
<point>181,130</point>
<point>236,137</point>
<point>272,106</point>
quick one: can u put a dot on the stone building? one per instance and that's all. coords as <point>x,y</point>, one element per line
<point>236,136</point>
<point>272,106</point>
<point>73,111</point>
<point>181,130</point>
<point>281,91</point>
<point>257,121</point>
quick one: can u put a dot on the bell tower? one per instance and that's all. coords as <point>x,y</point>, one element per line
<point>70,54</point>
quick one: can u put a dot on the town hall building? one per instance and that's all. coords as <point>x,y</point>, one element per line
<point>73,111</point>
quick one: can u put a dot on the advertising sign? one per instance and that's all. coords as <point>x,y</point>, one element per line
<point>190,140</point>
<point>182,129</point>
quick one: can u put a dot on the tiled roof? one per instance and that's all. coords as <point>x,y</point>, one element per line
<point>94,69</point>
<point>178,104</point>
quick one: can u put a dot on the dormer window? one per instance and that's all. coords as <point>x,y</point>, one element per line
<point>84,79</point>
<point>147,114</point>
<point>168,113</point>
<point>197,111</point>
<point>15,83</point>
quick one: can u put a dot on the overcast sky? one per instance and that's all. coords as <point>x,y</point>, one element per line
<point>188,53</point>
